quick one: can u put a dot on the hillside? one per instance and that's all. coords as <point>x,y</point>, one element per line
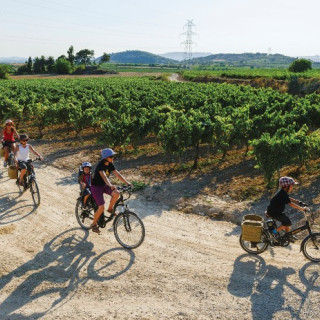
<point>246,60</point>
<point>179,56</point>
<point>141,57</point>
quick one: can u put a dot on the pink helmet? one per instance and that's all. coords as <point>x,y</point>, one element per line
<point>286,182</point>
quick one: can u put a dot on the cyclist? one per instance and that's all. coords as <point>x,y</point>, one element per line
<point>21,156</point>
<point>278,203</point>
<point>101,184</point>
<point>9,132</point>
<point>84,180</point>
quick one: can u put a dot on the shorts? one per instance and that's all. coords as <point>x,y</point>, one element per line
<point>97,193</point>
<point>8,143</point>
<point>22,165</point>
<point>285,221</point>
<point>86,191</point>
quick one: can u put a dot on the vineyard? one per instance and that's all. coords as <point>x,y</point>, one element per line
<point>246,73</point>
<point>278,129</point>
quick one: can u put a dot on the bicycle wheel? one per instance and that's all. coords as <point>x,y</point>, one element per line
<point>11,160</point>
<point>310,247</point>
<point>255,247</point>
<point>84,216</point>
<point>35,193</point>
<point>129,230</point>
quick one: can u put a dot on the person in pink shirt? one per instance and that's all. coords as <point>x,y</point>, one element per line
<point>9,132</point>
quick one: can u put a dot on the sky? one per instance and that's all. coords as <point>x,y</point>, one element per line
<point>49,27</point>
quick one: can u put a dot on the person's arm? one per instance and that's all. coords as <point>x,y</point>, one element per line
<point>294,204</point>
<point>16,133</point>
<point>121,177</point>
<point>35,152</point>
<point>106,179</point>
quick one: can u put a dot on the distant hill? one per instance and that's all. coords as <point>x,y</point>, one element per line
<point>262,60</point>
<point>13,60</point>
<point>315,58</point>
<point>136,56</point>
<point>179,56</point>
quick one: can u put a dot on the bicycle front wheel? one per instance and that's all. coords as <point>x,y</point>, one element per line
<point>310,247</point>
<point>35,193</point>
<point>255,247</point>
<point>84,216</point>
<point>129,230</point>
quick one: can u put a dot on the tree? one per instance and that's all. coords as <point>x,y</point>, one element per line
<point>29,65</point>
<point>105,58</point>
<point>300,65</point>
<point>63,66</point>
<point>84,56</point>
<point>4,71</point>
<point>50,64</point>
<point>71,56</point>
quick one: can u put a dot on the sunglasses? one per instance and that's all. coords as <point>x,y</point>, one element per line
<point>23,140</point>
<point>9,124</point>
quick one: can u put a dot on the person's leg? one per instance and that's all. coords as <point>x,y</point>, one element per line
<point>114,197</point>
<point>97,215</point>
<point>97,193</point>
<point>6,153</point>
<point>85,199</point>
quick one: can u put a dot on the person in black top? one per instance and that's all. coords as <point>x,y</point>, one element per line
<point>101,184</point>
<point>278,203</point>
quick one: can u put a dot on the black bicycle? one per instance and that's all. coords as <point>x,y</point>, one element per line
<point>30,182</point>
<point>310,245</point>
<point>128,228</point>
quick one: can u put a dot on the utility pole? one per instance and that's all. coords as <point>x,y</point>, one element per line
<point>188,42</point>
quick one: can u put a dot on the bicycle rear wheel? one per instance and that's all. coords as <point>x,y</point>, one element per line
<point>310,247</point>
<point>11,159</point>
<point>84,216</point>
<point>35,193</point>
<point>129,230</point>
<point>255,247</point>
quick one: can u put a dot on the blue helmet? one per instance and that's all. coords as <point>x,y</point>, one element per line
<point>86,164</point>
<point>105,153</point>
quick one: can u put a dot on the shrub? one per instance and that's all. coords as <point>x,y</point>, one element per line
<point>63,66</point>
<point>4,71</point>
<point>300,65</point>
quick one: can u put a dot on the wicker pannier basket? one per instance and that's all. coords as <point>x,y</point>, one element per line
<point>13,173</point>
<point>251,227</point>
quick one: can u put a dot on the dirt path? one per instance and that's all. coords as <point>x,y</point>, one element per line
<point>189,267</point>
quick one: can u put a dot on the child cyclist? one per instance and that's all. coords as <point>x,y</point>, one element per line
<point>8,139</point>
<point>101,184</point>
<point>21,156</point>
<point>84,180</point>
<point>278,203</point>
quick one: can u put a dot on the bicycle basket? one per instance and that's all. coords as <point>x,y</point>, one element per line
<point>13,173</point>
<point>251,228</point>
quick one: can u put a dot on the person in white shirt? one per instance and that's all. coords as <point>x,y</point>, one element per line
<point>21,155</point>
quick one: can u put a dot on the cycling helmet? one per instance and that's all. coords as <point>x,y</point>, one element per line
<point>285,182</point>
<point>8,121</point>
<point>86,164</point>
<point>105,153</point>
<point>24,137</point>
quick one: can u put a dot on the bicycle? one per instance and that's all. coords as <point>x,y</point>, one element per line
<point>128,228</point>
<point>30,182</point>
<point>310,245</point>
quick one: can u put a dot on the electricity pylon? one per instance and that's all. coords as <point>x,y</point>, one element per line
<point>187,56</point>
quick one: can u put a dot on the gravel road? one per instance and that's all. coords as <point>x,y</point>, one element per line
<point>189,267</point>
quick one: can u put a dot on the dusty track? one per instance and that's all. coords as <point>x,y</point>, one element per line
<point>189,267</point>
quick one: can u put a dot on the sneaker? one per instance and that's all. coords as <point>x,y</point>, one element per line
<point>4,163</point>
<point>290,237</point>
